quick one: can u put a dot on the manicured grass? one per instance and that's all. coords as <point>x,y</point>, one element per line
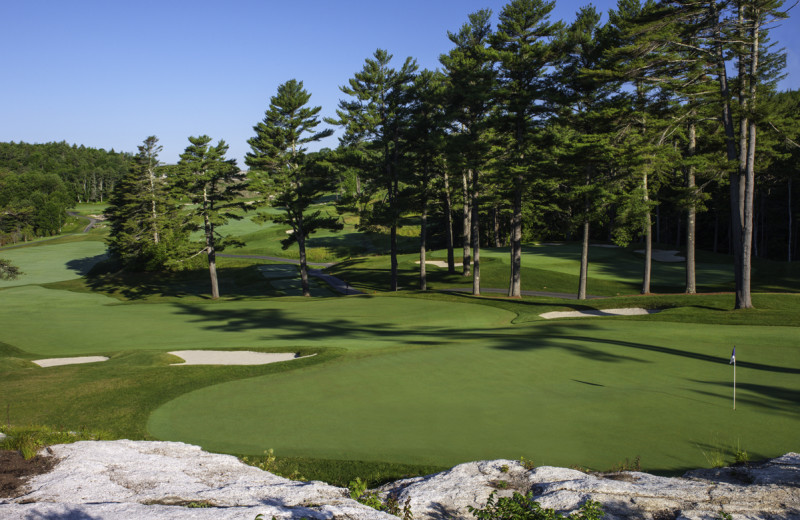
<point>53,262</point>
<point>585,392</point>
<point>116,395</point>
<point>409,382</point>
<point>549,268</point>
<point>91,323</point>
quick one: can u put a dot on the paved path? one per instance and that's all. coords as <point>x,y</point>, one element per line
<point>336,283</point>
<point>92,221</point>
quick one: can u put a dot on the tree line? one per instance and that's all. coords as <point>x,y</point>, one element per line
<point>546,129</point>
<point>644,128</point>
<point>39,182</point>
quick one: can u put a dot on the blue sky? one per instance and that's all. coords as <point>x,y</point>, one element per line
<point>107,74</point>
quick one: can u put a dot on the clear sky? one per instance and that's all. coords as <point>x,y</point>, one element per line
<point>107,74</point>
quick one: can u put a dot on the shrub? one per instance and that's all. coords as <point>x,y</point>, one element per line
<point>523,507</point>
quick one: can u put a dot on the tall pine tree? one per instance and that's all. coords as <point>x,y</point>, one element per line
<point>214,185</point>
<point>280,167</point>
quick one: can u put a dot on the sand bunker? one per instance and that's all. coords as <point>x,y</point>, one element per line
<point>55,362</point>
<point>634,311</point>
<point>231,357</point>
<point>439,263</point>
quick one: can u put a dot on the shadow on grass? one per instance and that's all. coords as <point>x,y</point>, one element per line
<point>277,323</point>
<point>82,266</point>
<point>234,283</point>
<point>778,399</point>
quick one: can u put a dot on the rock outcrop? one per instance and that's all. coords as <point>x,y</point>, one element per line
<point>769,490</point>
<point>169,480</point>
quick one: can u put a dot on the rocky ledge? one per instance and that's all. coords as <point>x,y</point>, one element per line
<point>169,480</point>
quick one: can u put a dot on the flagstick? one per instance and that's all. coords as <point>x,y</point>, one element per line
<point>734,383</point>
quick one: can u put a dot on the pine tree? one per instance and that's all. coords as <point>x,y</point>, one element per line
<point>280,167</point>
<point>469,67</point>
<point>524,49</point>
<point>146,231</point>
<point>375,121</point>
<point>213,185</point>
<point>426,141</point>
<point>586,128</point>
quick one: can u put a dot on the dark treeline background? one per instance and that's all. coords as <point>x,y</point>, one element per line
<point>39,182</point>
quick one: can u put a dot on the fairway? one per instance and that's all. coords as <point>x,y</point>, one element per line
<point>558,394</point>
<point>53,262</point>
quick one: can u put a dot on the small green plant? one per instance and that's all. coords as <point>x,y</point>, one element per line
<point>500,484</point>
<point>722,515</point>
<point>270,463</point>
<point>627,465</point>
<point>528,464</point>
<point>358,491</point>
<point>30,439</point>
<point>198,505</point>
<point>392,506</point>
<point>504,468</point>
<point>523,507</point>
<point>739,455</point>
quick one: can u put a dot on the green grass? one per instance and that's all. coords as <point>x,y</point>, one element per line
<point>53,262</point>
<point>563,393</point>
<point>404,383</point>
<point>555,268</point>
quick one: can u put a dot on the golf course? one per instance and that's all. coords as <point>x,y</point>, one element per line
<point>394,383</point>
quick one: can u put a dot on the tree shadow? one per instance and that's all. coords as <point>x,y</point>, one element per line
<point>234,283</point>
<point>82,266</point>
<point>568,334</point>
<point>776,398</point>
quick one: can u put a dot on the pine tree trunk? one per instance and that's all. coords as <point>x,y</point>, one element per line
<point>735,225</point>
<point>514,285</point>
<point>584,260</point>
<point>210,249</point>
<point>393,233</point>
<point>212,259</point>
<point>423,233</point>
<point>743,296</point>
<point>789,248</point>
<point>301,245</point>
<point>496,227</point>
<point>648,241</point>
<point>476,236</point>
<point>691,285</point>
<point>154,215</point>
<point>448,215</point>
<point>467,228</point>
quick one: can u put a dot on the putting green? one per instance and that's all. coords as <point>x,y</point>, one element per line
<point>560,394</point>
<point>53,263</point>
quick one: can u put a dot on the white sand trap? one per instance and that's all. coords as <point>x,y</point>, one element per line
<point>661,255</point>
<point>232,357</point>
<point>633,311</point>
<point>289,231</point>
<point>56,362</point>
<point>439,263</point>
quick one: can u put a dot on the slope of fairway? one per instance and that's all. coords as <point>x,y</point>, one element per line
<point>587,392</point>
<point>53,262</point>
<point>81,323</point>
